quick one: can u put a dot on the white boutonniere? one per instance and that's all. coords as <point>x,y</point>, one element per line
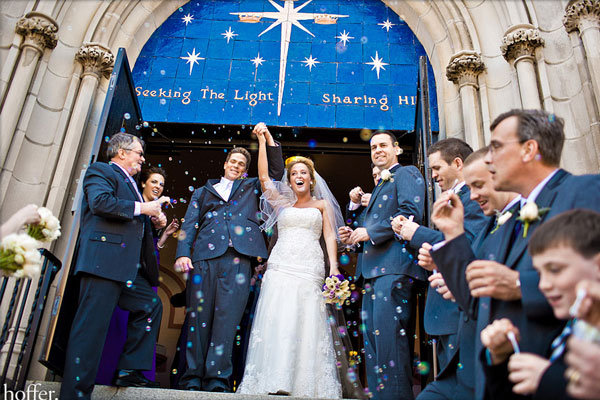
<point>501,219</point>
<point>530,213</point>
<point>384,175</point>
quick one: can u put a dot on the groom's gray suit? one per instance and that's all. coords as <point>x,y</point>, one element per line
<point>221,236</point>
<point>389,269</point>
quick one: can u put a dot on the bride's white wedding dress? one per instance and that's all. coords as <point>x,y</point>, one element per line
<point>291,347</point>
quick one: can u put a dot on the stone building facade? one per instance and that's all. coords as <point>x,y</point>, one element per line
<point>487,56</point>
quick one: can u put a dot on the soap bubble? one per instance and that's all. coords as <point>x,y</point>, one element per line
<point>423,367</point>
<point>240,279</point>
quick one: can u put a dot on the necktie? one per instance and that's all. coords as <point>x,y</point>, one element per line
<point>558,345</point>
<point>516,229</point>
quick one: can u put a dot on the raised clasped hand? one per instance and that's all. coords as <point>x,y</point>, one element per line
<point>262,133</point>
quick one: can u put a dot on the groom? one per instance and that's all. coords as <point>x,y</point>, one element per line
<point>389,271</point>
<point>219,238</point>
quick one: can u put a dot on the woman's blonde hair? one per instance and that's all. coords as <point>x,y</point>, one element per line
<point>291,161</point>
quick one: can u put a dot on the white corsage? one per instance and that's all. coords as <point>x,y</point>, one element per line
<point>384,175</point>
<point>530,213</point>
<point>501,219</point>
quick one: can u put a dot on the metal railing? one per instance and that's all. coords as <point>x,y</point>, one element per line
<point>15,314</point>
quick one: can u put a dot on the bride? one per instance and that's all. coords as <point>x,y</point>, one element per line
<point>291,349</point>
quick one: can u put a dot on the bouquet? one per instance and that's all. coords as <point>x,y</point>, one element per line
<point>19,256</point>
<point>335,289</point>
<point>48,229</point>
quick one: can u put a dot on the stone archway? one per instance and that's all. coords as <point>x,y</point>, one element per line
<point>487,57</point>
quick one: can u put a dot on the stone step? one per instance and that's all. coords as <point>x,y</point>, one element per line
<point>50,390</point>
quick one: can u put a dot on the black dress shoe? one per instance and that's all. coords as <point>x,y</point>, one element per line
<point>220,389</point>
<point>134,378</point>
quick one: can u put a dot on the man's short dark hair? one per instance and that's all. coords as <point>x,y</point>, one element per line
<point>242,151</point>
<point>476,155</point>
<point>450,149</point>
<point>390,134</point>
<point>146,172</point>
<point>578,229</point>
<point>545,128</point>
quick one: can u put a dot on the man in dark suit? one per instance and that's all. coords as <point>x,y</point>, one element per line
<point>524,156</point>
<point>221,235</point>
<point>493,204</point>
<point>116,266</point>
<point>389,272</point>
<point>442,317</point>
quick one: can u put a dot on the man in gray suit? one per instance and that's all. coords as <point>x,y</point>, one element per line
<point>221,235</point>
<point>116,265</point>
<point>389,271</point>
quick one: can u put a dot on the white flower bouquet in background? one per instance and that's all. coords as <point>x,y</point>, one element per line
<point>19,256</point>
<point>48,229</point>
<point>336,289</point>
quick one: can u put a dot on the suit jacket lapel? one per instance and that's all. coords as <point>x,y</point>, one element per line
<point>234,187</point>
<point>210,187</point>
<point>498,242</point>
<point>481,237</point>
<point>127,181</point>
<point>543,200</point>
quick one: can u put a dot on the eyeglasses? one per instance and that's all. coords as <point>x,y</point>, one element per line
<point>139,152</point>
<point>495,146</point>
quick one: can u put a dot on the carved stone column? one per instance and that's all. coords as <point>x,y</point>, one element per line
<point>97,61</point>
<point>39,32</point>
<point>518,47</point>
<point>584,15</point>
<point>463,69</point>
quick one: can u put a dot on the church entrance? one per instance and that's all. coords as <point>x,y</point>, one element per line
<point>208,75</point>
<point>192,153</point>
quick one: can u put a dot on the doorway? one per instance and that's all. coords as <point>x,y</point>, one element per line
<point>192,153</point>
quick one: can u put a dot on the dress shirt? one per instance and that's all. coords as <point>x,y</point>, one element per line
<point>137,209</point>
<point>456,189</point>
<point>536,191</point>
<point>224,188</point>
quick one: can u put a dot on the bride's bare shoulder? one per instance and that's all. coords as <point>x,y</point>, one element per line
<point>320,204</point>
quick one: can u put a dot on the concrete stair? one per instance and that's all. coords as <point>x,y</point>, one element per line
<point>112,393</point>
